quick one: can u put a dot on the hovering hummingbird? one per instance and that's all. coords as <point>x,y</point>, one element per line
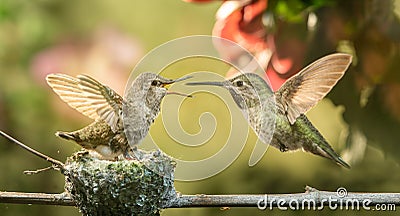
<point>295,97</point>
<point>107,134</point>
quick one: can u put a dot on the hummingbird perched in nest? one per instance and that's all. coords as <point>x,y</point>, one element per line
<point>107,135</point>
<point>295,97</point>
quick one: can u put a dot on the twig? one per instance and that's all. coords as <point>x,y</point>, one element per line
<point>321,198</point>
<point>32,172</point>
<point>311,199</point>
<point>56,163</point>
<point>314,198</point>
<point>36,198</point>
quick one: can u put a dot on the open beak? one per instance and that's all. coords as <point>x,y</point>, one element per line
<point>176,80</point>
<point>178,93</point>
<point>165,84</point>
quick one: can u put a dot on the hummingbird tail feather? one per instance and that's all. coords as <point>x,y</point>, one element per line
<point>329,153</point>
<point>319,146</point>
<point>65,135</point>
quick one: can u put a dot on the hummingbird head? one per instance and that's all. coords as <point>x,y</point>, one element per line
<point>245,89</point>
<point>151,88</point>
<point>148,90</point>
<point>143,102</point>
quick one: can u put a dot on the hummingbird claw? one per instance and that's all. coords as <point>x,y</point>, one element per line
<point>129,154</point>
<point>283,148</point>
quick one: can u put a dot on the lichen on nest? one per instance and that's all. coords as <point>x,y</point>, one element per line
<point>125,187</point>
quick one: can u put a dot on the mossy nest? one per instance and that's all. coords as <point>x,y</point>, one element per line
<point>126,187</point>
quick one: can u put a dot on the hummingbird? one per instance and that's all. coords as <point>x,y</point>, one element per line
<point>107,135</point>
<point>291,101</point>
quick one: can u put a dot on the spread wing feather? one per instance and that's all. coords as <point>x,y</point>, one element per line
<point>88,96</point>
<point>303,91</point>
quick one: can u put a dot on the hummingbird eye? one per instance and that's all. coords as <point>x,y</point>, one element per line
<point>155,83</point>
<point>239,83</point>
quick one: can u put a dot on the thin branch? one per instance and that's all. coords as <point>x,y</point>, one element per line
<point>32,172</point>
<point>312,197</point>
<point>315,197</point>
<point>284,200</point>
<point>36,198</point>
<point>55,162</point>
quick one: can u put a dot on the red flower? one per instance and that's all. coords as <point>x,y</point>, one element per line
<point>242,22</point>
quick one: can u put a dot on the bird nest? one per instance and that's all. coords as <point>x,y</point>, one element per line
<point>125,187</point>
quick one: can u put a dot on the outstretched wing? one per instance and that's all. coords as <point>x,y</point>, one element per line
<point>302,91</point>
<point>88,96</point>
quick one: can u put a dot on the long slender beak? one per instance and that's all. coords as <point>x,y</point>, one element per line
<point>178,80</point>
<point>183,78</point>
<point>206,83</point>
<point>180,94</point>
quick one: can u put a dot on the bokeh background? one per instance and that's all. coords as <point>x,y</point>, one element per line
<point>105,39</point>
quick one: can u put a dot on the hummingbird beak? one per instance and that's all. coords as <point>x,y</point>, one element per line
<point>206,83</point>
<point>178,93</point>
<point>165,84</point>
<point>182,78</point>
<point>176,80</point>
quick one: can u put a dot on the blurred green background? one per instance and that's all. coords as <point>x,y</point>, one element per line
<point>105,39</point>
